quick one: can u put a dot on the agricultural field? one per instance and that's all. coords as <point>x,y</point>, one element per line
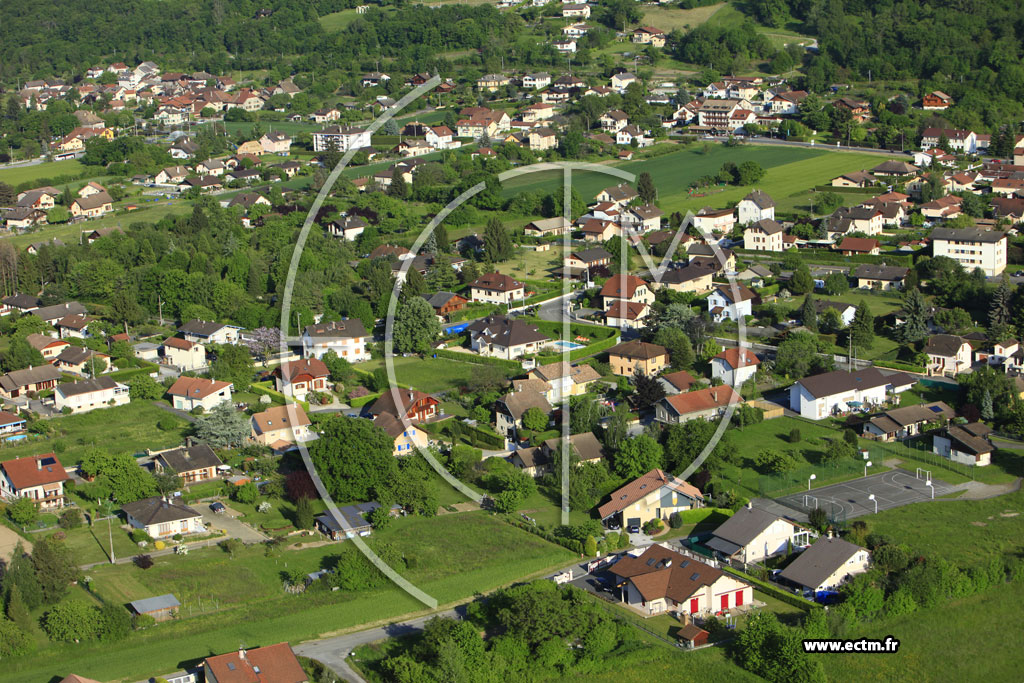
<point>150,212</point>
<point>227,600</point>
<point>17,175</point>
<point>338,21</point>
<point>122,429</point>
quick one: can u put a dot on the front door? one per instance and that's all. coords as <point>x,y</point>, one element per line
<point>694,605</point>
<point>725,602</point>
<point>739,598</point>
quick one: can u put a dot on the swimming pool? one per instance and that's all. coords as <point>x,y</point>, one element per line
<point>562,345</point>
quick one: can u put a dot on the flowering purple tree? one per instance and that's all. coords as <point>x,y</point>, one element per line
<point>263,340</point>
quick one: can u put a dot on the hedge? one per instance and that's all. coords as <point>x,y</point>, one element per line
<point>120,375</point>
<point>487,438</point>
<point>567,543</point>
<point>770,290</point>
<point>363,400</point>
<point>899,365</point>
<point>510,365</point>
<point>576,354</point>
<point>774,591</point>
<point>848,190</point>
<point>698,515</point>
<point>828,256</point>
<point>276,396</point>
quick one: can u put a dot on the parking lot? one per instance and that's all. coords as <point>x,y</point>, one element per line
<point>850,499</point>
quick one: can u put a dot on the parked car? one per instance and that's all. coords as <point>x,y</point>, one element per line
<point>635,529</point>
<point>218,507</point>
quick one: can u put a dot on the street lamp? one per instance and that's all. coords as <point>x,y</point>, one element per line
<point>810,479</point>
<point>928,483</point>
<point>872,499</point>
<point>866,466</point>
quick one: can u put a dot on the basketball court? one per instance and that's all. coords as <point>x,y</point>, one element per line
<point>853,498</point>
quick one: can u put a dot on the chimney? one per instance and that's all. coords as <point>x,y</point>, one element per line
<point>39,463</point>
<point>241,653</point>
<point>750,506</point>
<point>830,532</point>
<point>188,442</point>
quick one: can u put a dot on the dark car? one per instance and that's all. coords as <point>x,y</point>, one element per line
<point>614,526</point>
<point>635,529</point>
<point>217,507</point>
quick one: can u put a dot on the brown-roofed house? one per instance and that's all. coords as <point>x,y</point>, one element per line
<point>626,288</point>
<point>637,356</point>
<point>192,462</point>
<point>298,378</point>
<point>859,246</point>
<point>654,495</point>
<point>496,288</point>
<point>706,404</point>
<point>280,427</point>
<point>408,404</point>
<point>565,380</point>
<point>161,518</point>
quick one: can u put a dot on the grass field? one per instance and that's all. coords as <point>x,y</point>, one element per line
<point>669,19</point>
<point>242,600</point>
<point>791,173</point>
<point>429,374</point>
<point>528,263</point>
<point>69,232</point>
<point>50,169</point>
<point>122,429</point>
<point>337,21</point>
<point>928,642</point>
<point>92,544</point>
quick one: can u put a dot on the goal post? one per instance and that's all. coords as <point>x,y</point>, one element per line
<point>924,474</point>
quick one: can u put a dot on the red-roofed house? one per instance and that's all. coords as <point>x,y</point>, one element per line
<point>496,288</point>
<point>627,315</point>
<point>184,354</point>
<point>302,377</point>
<point>270,664</point>
<point>704,404</point>
<point>734,366</point>
<point>188,393</point>
<point>38,477</point>
<point>626,288</point>
<point>858,246</point>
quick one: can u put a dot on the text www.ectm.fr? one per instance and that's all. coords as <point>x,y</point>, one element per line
<point>889,645</point>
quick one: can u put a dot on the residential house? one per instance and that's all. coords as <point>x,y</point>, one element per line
<point>37,477</point>
<point>498,336</point>
<point>661,580</point>
<point>536,81</point>
<point>341,138</point>
<point>280,427</point>
<point>532,460</point>
<point>844,310</point>
<point>510,408</point>
<point>631,134</point>
<point>648,35</point>
<point>492,82</point>
<point>614,120</point>
<point>189,393</point>
<point>946,207</point>
<point>211,167</point>
<point>547,227</point>
<point>51,314</point>
<point>820,396</point>
<point>298,378</point>
<point>709,403</point>
<point>355,521</point>
<point>755,207</point>
<point>82,361</point>
<point>576,10</point>
<point>275,143</point>
<point>731,302</point>
<point>764,235</point>
<point>958,140</point>
<point>883,277</point>
<point>193,462</point>
<point>347,338</point>
<point>172,175</point>
<point>859,246</point>
<point>627,315</point>
<point>374,79</point>
<point>654,495</point>
<point>619,195</point>
<point>326,115</point>
<point>587,258</point>
<point>348,228</point>
<point>183,354</point>
<point>89,394</point>
<point>902,423</point>
<point>599,230</point>
<point>678,382</point>
<point>967,444</point>
<point>936,101</point>
<point>583,448</point>
<point>690,278</point>
<point>90,189</point>
<point>209,332</point>
<point>635,356</point>
<point>894,169</point>
<point>709,220</point>
<point>28,381</point>
<point>93,206</point>
<point>642,219</point>
<point>495,288</point>
<point>161,518</point>
<point>270,664</point>
<point>75,326</point>
<point>734,366</point>
<point>406,438</point>
<point>626,288</point>
<point>855,179</point>
<point>445,303</point>
<point>865,219</point>
<point>564,380</point>
<point>441,137</point>
<point>826,564</point>
<point>407,405</point>
<point>753,535</point>
<point>46,345</point>
<point>948,355</point>
<point>11,424</point>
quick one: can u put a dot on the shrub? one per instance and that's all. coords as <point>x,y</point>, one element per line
<point>140,536</point>
<point>794,435</point>
<point>141,621</point>
<point>70,519</point>
<point>143,561</point>
<point>653,526</point>
<point>675,520</point>
<point>177,537</point>
<point>166,423</point>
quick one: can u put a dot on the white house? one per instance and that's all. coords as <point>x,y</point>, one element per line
<point>188,393</point>
<point>820,396</point>
<point>966,444</point>
<point>87,394</point>
<point>731,302</point>
<point>207,332</point>
<point>184,354</point>
<point>948,354</point>
<point>752,535</point>
<point>38,477</point>
<point>347,338</point>
<point>343,139</point>
<point>734,366</point>
<point>161,518</point>
<point>827,564</point>
<point>972,248</point>
<point>754,207</point>
<point>496,288</point>
<point>764,234</point>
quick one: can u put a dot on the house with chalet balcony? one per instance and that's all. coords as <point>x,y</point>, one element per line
<point>298,378</point>
<point>39,478</point>
<point>496,288</point>
<point>411,405</point>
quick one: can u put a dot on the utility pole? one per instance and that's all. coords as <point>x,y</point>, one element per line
<point>160,308</point>
<point>110,532</point>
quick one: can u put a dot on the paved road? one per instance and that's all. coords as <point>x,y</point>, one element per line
<point>174,411</point>
<point>227,521</point>
<point>333,651</point>
<point>553,310</point>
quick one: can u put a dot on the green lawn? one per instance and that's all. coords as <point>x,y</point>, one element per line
<point>528,263</point>
<point>430,374</point>
<point>122,429</point>
<point>931,641</point>
<point>230,601</point>
<point>51,169</point>
<point>70,232</point>
<point>791,173</point>
<point>966,531</point>
<point>92,544</point>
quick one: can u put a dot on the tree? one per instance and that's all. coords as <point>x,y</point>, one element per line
<point>675,340</point>
<point>830,321</point>
<point>234,364</point>
<point>114,623</point>
<point>304,516</point>
<point>915,318</point>
<point>837,451</point>
<point>637,456</point>
<point>797,356</point>
<point>836,284</point>
<point>748,173</point>
<point>809,314</point>
<point>415,327</point>
<point>648,390</point>
<point>890,558</point>
<point>223,426</point>
<point>167,482</point>
<point>72,621</point>
<point>497,243</point>
<point>17,610</point>
<point>353,457</point>
<point>774,652</point>
<point>999,309</point>
<point>21,572</point>
<point>142,387</point>
<point>246,493</point>
<point>862,329</point>
<point>535,420</point>
<point>590,546</point>
<point>20,355</point>
<point>802,282</point>
<point>55,568</point>
<point>22,511</point>
<point>646,188</point>
<point>953,320</point>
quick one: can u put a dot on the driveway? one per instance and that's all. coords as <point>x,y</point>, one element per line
<point>229,522</point>
<point>333,651</point>
<point>8,541</point>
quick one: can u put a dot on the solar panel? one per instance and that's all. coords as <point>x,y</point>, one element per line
<point>935,409</point>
